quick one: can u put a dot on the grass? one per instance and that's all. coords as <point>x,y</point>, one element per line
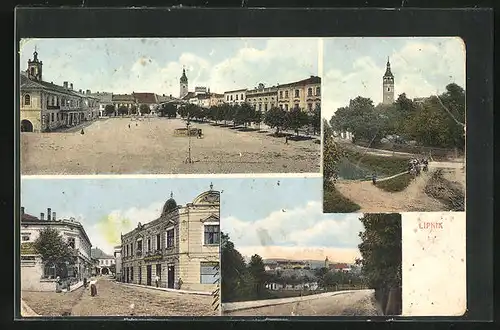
<point>396,184</point>
<point>335,202</point>
<point>447,192</point>
<point>379,164</point>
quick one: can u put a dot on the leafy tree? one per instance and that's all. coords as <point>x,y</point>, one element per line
<point>133,109</point>
<point>258,274</point>
<point>315,119</point>
<point>168,109</point>
<point>275,118</point>
<point>229,113</point>
<point>380,250</point>
<point>144,109</point>
<point>234,277</point>
<point>296,119</point>
<point>53,250</point>
<point>122,110</point>
<point>257,119</point>
<point>183,111</point>
<point>109,109</point>
<point>332,153</point>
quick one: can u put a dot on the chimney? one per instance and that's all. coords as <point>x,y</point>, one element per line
<point>88,91</point>
<point>22,210</point>
<point>65,84</point>
<point>41,216</point>
<point>80,91</point>
<point>71,86</point>
<point>48,213</point>
<point>53,216</point>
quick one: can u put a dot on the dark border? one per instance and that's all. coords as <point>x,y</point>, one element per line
<point>474,26</point>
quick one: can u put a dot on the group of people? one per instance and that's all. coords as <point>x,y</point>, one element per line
<point>416,165</point>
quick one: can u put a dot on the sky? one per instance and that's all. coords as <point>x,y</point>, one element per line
<point>273,217</point>
<point>421,67</point>
<point>126,65</point>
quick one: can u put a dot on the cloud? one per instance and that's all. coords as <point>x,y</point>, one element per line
<point>300,229</point>
<point>106,233</point>
<point>421,68</point>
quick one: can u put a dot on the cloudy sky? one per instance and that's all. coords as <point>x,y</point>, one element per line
<point>155,65</point>
<point>285,220</point>
<point>421,66</point>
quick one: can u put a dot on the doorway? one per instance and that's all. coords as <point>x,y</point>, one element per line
<point>140,275</point>
<point>148,275</point>
<point>26,126</point>
<point>158,273</point>
<point>171,276</point>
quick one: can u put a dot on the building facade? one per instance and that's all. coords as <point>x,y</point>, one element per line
<point>183,243</point>
<point>35,275</point>
<point>304,94</point>
<point>262,98</point>
<point>124,100</point>
<point>118,262</point>
<point>388,85</point>
<point>46,106</point>
<point>104,262</point>
<point>104,100</point>
<point>235,97</point>
<point>216,99</point>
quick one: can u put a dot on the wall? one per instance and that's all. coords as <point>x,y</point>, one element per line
<point>31,112</point>
<point>31,278</point>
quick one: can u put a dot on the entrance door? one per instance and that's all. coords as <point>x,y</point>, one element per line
<point>26,126</point>
<point>158,272</point>
<point>171,276</point>
<point>148,275</point>
<point>140,275</point>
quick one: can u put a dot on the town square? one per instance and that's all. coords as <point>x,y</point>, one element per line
<point>198,118</point>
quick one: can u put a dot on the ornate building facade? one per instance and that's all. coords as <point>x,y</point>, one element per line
<point>182,243</point>
<point>304,94</point>
<point>46,106</point>
<point>388,85</point>
<point>235,97</point>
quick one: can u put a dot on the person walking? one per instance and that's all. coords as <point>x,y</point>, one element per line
<point>128,126</point>
<point>82,132</point>
<point>157,280</point>
<point>93,288</point>
<point>374,178</point>
<point>179,283</point>
<point>286,139</point>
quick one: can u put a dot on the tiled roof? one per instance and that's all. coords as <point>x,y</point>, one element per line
<point>28,217</point>
<point>27,83</point>
<point>237,90</point>
<point>146,98</point>
<point>308,81</point>
<point>103,97</point>
<point>123,97</point>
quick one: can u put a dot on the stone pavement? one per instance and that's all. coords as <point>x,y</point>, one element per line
<point>116,299</point>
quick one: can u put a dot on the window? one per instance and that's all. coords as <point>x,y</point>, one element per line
<point>209,272</point>
<point>281,106</point>
<point>71,242</point>
<point>52,117</point>
<point>139,245</point>
<point>131,249</point>
<point>242,98</point>
<point>126,250</point>
<point>309,106</point>
<point>309,91</point>
<point>286,107</point>
<point>49,271</point>
<point>260,106</point>
<point>281,94</point>
<point>131,273</point>
<point>318,91</point>
<point>149,244</point>
<point>286,94</point>
<point>28,261</point>
<point>236,97</point>
<point>296,93</point>
<point>27,100</point>
<point>25,238</point>
<point>388,89</point>
<point>211,234</point>
<point>170,238</point>
<point>265,107</point>
<point>227,97</point>
<point>231,97</point>
<point>158,242</point>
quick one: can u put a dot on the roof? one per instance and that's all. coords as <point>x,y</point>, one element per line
<point>28,217</point>
<point>99,254</point>
<point>27,83</point>
<point>123,97</point>
<point>103,97</point>
<point>388,72</point>
<point>216,95</point>
<point>146,98</point>
<point>309,81</point>
<point>189,95</point>
<point>237,90</point>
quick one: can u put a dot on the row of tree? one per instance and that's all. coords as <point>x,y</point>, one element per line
<point>110,109</point>
<point>438,121</point>
<point>245,115</point>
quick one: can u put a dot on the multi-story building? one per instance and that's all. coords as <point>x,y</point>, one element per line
<point>262,98</point>
<point>216,99</point>
<point>148,99</point>
<point>182,243</point>
<point>46,106</point>
<point>304,94</point>
<point>104,261</point>
<point>104,100</point>
<point>235,97</point>
<point>124,100</point>
<point>37,276</point>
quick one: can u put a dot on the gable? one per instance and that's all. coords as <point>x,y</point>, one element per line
<point>211,218</point>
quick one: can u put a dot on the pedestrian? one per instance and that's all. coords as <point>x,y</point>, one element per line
<point>157,280</point>
<point>136,124</point>
<point>286,139</point>
<point>179,283</point>
<point>82,132</point>
<point>58,284</point>
<point>85,283</point>
<point>129,126</point>
<point>93,288</point>
<point>374,178</point>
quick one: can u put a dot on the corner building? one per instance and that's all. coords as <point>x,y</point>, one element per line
<point>183,243</point>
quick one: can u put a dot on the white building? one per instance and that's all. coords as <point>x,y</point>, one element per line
<point>35,276</point>
<point>235,97</point>
<point>118,261</point>
<point>104,261</point>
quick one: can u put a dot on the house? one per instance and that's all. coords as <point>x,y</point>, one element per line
<point>182,243</point>
<point>104,262</point>
<point>235,97</point>
<point>124,100</point>
<point>262,98</point>
<point>37,276</point>
<point>105,99</point>
<point>303,94</point>
<point>148,99</point>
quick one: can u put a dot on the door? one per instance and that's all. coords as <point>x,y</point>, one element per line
<point>158,272</point>
<point>171,276</point>
<point>148,275</point>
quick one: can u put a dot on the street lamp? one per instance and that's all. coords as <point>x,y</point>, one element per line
<point>188,125</point>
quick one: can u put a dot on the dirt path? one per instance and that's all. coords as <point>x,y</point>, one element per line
<point>375,200</point>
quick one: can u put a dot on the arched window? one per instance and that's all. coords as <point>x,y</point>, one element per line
<point>27,99</point>
<point>318,91</point>
<point>309,91</point>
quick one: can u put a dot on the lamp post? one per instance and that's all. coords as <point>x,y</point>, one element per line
<point>188,125</point>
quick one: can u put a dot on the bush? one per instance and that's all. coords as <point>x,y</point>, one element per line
<point>396,184</point>
<point>447,192</point>
<point>335,202</point>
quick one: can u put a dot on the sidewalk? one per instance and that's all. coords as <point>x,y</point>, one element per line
<point>202,293</point>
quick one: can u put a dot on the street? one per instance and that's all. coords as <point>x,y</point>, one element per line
<point>359,303</point>
<point>117,299</point>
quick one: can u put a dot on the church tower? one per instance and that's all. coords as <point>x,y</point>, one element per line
<point>34,70</point>
<point>183,84</point>
<point>388,85</point>
<point>327,263</point>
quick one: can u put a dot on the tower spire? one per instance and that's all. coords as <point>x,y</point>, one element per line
<point>211,186</point>
<point>171,194</point>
